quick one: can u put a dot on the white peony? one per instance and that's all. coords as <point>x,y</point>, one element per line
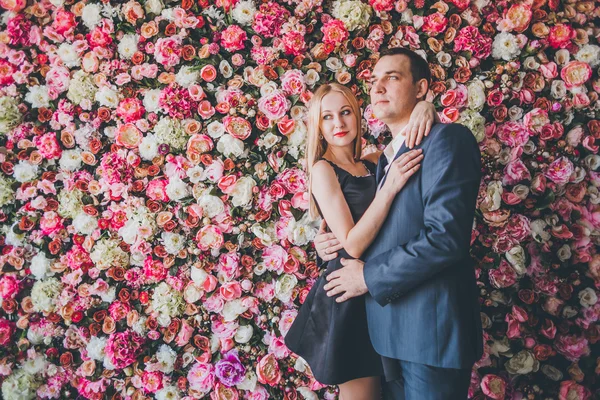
<point>148,147</point>
<point>168,392</point>
<point>90,15</point>
<point>242,191</point>
<point>230,146</point>
<point>107,97</point>
<point>68,54</point>
<point>215,129</point>
<point>177,189</point>
<point>233,309</point>
<point>154,6</point>
<point>70,160</point>
<point>25,171</point>
<point>589,53</point>
<point>285,286</point>
<point>85,223</point>
<point>40,266</point>
<point>38,96</point>
<point>243,12</point>
<point>476,95</point>
<point>173,242</point>
<point>44,293</point>
<point>244,334</point>
<point>211,205</point>
<point>128,45</point>
<point>95,348</point>
<point>151,100</point>
<point>186,76</point>
<point>505,46</point>
<point>166,358</point>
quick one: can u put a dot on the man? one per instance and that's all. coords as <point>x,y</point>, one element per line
<point>421,293</point>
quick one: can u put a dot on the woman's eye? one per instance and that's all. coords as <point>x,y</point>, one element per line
<point>327,117</point>
<point>345,112</point>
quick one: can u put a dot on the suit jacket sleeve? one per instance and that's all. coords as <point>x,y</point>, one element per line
<point>450,183</point>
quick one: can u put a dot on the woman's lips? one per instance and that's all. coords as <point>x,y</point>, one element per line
<point>340,134</point>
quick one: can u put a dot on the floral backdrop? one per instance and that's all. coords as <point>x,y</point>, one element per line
<point>154,233</point>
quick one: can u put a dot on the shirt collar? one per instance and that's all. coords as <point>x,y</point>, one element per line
<point>392,148</point>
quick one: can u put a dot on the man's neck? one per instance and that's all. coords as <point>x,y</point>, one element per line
<point>396,128</point>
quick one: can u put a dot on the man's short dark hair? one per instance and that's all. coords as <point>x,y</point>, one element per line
<point>419,68</point>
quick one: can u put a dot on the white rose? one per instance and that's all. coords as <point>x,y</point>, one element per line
<point>564,253</point>
<point>168,392</point>
<point>107,97</point>
<point>269,140</point>
<point>516,258</point>
<point>196,174</point>
<point>244,334</point>
<point>40,265</point>
<point>284,287</point>
<point>307,393</point>
<point>268,88</point>
<point>90,15</point>
<point>95,348</point>
<point>128,45</point>
<point>590,54</point>
<point>177,189</point>
<point>225,69</point>
<point>588,297</point>
<point>192,293</point>
<point>312,77</point>
<point>215,129</point>
<point>211,205</point>
<point>151,100</point>
<point>129,231</point>
<point>242,191</point>
<point>25,171</point>
<point>476,95</point>
<point>154,6</point>
<point>230,146</point>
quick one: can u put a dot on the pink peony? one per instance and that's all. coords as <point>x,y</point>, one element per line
<point>48,146</point>
<point>572,347</point>
<point>202,377</point>
<point>273,105</point>
<point>515,172</point>
<point>513,134</point>
<point>130,110</point>
<point>274,258</point>
<point>293,82</point>
<point>571,390</point>
<point>122,348</point>
<point>7,329</point>
<point>233,38</point>
<point>434,24</point>
<point>9,287</point>
<point>493,386</point>
<point>167,51</point>
<point>561,35</point>
<point>334,32</point>
<point>576,73</point>
<point>503,276</point>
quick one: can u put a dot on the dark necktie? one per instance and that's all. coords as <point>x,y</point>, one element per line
<point>380,173</point>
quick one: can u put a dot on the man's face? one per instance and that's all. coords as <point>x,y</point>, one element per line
<point>393,92</point>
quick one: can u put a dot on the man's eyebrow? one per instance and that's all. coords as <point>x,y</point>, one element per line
<point>385,73</point>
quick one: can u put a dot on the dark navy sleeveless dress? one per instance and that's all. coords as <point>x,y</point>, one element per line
<point>333,337</point>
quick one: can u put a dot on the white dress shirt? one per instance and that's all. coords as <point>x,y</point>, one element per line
<point>391,149</point>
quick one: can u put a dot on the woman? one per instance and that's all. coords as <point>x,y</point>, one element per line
<point>333,337</point>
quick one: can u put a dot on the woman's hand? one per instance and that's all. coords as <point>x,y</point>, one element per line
<point>401,170</point>
<point>421,120</point>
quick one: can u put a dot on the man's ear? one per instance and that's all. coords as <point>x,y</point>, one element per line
<point>423,88</point>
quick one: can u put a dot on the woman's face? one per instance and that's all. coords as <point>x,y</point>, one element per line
<point>338,122</point>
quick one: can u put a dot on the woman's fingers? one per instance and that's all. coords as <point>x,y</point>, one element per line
<point>407,157</point>
<point>412,163</point>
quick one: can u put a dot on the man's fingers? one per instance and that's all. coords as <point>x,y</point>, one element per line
<point>333,284</point>
<point>335,291</point>
<point>333,275</point>
<point>329,257</point>
<point>343,298</point>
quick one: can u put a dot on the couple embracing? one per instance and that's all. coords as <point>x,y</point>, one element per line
<point>396,310</point>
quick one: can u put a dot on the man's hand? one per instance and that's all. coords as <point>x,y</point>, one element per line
<point>326,244</point>
<point>348,280</point>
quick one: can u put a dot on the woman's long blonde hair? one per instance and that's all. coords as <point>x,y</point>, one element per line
<point>316,144</point>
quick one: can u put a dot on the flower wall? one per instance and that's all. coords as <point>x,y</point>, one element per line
<point>154,231</point>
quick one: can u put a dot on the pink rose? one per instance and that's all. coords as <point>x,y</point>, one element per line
<point>286,321</point>
<point>549,70</point>
<point>205,109</point>
<point>237,127</point>
<point>278,348</point>
<point>128,136</point>
<point>536,119</point>
<point>268,371</point>
<point>560,170</point>
<point>517,18</point>
<point>202,377</point>
<point>493,386</point>
<point>13,5</point>
<point>273,105</point>
<point>185,334</point>
<point>576,73</point>
<point>233,38</point>
<point>231,291</point>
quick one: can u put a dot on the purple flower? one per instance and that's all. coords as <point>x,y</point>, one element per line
<point>230,370</point>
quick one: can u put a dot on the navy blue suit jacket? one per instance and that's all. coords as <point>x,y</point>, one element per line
<point>422,304</point>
